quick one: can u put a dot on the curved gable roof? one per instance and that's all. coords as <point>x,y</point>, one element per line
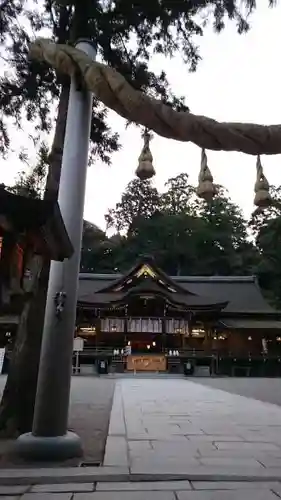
<point>235,294</point>
<point>145,267</point>
<point>242,293</point>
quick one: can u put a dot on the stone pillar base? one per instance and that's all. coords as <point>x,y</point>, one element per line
<point>55,448</point>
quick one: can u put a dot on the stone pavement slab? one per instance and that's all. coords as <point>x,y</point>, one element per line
<point>168,491</point>
<point>116,451</point>
<point>62,475</point>
<point>230,462</point>
<point>47,496</point>
<point>174,469</point>
<point>174,425</point>
<point>277,490</point>
<point>235,485</point>
<point>226,495</point>
<point>13,489</point>
<point>66,487</point>
<point>156,490</point>
<point>127,495</point>
<point>10,497</point>
<point>145,486</point>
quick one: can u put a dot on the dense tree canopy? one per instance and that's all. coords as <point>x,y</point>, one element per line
<point>139,201</point>
<point>266,228</point>
<point>126,39</point>
<point>31,182</point>
<point>185,234</point>
<point>191,237</point>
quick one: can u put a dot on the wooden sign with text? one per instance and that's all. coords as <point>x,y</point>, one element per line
<point>147,363</point>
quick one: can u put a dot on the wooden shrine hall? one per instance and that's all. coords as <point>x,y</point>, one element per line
<point>30,229</point>
<point>146,320</point>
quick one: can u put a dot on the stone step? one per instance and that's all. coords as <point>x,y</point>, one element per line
<point>202,371</point>
<point>76,475</point>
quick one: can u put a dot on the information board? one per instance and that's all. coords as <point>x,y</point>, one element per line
<point>78,344</point>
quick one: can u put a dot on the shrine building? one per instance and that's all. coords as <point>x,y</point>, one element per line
<point>145,320</point>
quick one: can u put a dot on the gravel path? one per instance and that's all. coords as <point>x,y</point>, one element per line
<point>263,389</point>
<point>90,408</point>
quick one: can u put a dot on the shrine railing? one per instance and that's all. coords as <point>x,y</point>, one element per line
<point>181,353</point>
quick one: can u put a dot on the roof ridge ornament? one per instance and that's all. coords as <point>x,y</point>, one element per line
<point>145,168</point>
<point>145,270</point>
<point>206,188</point>
<point>262,197</point>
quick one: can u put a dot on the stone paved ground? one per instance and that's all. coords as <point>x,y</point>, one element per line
<point>90,407</point>
<point>91,404</point>
<point>183,490</point>
<point>171,426</point>
<point>177,428</point>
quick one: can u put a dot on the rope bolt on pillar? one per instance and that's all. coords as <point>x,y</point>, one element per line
<point>50,439</point>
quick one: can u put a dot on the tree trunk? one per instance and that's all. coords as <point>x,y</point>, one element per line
<point>17,404</point>
<point>55,157</point>
<point>16,409</point>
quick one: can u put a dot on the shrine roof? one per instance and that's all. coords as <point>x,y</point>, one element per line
<point>106,299</point>
<point>238,294</point>
<point>250,324</point>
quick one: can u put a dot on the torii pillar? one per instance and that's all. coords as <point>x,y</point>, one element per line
<point>50,439</point>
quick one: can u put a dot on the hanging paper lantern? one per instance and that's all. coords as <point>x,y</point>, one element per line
<point>262,196</point>
<point>145,168</point>
<point>206,188</point>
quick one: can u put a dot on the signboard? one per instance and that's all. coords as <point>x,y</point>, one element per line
<point>264,346</point>
<point>2,356</point>
<point>128,350</point>
<point>147,363</point>
<point>78,344</point>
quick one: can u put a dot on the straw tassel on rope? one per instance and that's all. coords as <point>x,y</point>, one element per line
<point>205,189</point>
<point>145,168</point>
<point>262,196</point>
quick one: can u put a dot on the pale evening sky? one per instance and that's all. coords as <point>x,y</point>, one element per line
<point>238,79</point>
